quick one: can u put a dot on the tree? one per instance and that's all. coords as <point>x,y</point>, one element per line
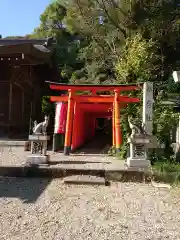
<point>107,25</point>
<point>66,49</point>
<point>138,61</point>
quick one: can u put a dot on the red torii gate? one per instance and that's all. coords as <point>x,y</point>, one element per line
<point>79,127</point>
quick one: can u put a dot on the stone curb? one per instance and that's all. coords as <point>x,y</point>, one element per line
<point>60,172</point>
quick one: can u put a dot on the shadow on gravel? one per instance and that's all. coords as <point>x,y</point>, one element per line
<point>26,189</point>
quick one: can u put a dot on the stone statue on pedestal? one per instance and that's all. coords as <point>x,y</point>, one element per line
<point>38,141</point>
<point>141,138</point>
<point>138,141</point>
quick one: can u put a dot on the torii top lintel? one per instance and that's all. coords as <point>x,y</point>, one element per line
<point>90,87</point>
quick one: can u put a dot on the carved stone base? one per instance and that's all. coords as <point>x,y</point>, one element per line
<point>138,163</point>
<point>37,159</point>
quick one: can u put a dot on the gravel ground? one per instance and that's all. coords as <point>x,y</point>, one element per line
<point>44,209</point>
<point>12,155</point>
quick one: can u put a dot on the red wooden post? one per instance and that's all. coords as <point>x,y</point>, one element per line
<point>69,124</point>
<point>113,126</point>
<point>117,122</point>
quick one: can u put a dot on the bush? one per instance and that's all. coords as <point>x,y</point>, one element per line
<point>167,171</point>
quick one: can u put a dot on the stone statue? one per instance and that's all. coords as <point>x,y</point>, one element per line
<point>136,130</point>
<point>41,127</point>
<point>38,142</point>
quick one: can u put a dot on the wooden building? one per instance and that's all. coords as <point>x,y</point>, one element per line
<point>24,67</point>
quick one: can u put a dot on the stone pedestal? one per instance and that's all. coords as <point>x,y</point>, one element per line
<point>138,152</point>
<point>37,159</point>
<point>38,149</point>
<point>138,163</point>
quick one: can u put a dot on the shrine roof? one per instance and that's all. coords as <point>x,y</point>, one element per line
<point>14,41</point>
<point>34,50</point>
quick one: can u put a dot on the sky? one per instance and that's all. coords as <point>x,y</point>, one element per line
<point>20,17</point>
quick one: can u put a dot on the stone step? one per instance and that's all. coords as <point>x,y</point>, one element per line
<point>13,143</point>
<point>86,180</point>
<point>46,171</point>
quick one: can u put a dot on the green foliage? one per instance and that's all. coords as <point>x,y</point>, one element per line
<point>51,21</point>
<point>167,171</point>
<point>65,56</point>
<point>66,49</point>
<point>112,151</point>
<point>137,61</point>
<point>122,154</point>
<point>47,106</point>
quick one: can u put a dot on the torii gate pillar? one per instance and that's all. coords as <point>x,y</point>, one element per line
<point>118,135</point>
<point>69,124</point>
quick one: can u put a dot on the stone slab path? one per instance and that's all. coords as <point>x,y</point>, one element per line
<point>16,156</point>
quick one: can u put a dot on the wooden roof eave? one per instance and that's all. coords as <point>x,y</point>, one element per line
<point>36,54</point>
